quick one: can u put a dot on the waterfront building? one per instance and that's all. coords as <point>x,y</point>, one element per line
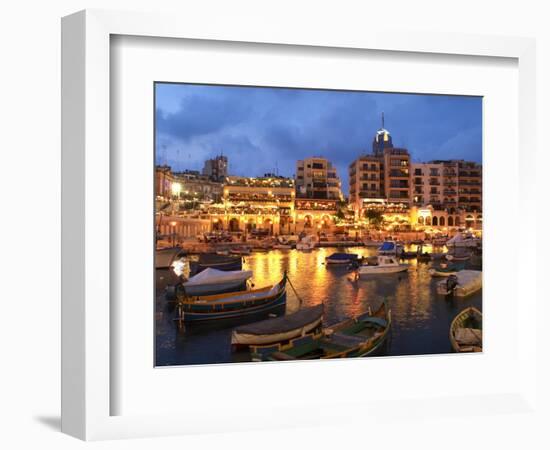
<point>196,186</point>
<point>216,168</point>
<point>382,177</point>
<point>251,203</point>
<point>317,178</point>
<point>450,185</point>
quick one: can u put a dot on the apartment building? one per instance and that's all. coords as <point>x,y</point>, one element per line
<point>317,178</point>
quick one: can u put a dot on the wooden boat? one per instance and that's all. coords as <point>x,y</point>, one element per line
<point>461,284</point>
<point>466,331</point>
<point>446,269</point>
<point>278,330</point>
<point>212,281</point>
<point>214,261</point>
<point>386,265</point>
<point>341,258</point>
<point>230,305</point>
<point>364,335</point>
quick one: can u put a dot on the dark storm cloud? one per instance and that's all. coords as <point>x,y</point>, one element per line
<point>266,129</point>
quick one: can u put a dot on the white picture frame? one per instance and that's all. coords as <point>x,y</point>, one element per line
<point>87,357</point>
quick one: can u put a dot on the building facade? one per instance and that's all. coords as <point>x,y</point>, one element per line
<point>381,177</point>
<point>216,168</point>
<point>317,178</point>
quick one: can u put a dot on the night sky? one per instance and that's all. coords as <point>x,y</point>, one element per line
<point>264,130</point>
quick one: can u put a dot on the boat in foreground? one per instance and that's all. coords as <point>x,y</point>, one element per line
<point>363,335</point>
<point>278,330</point>
<point>231,305</point>
<point>213,281</point>
<point>466,331</point>
<point>385,265</point>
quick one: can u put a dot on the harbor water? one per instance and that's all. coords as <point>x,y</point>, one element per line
<point>421,318</point>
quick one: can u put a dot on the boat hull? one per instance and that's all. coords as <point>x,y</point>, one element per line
<point>374,270</point>
<point>209,289</point>
<point>244,339</point>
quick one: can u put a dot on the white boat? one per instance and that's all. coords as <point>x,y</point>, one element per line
<point>306,244</point>
<point>213,281</point>
<point>461,284</point>
<point>386,265</point>
<point>463,241</point>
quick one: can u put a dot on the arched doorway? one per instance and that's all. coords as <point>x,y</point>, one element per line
<point>217,225</point>
<point>325,221</point>
<point>434,221</point>
<point>442,221</point>
<point>234,224</point>
<point>250,225</point>
<point>308,221</point>
<point>469,221</point>
<point>450,221</point>
<point>420,220</point>
<point>457,221</point>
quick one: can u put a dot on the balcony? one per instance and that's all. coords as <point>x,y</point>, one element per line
<point>398,174</point>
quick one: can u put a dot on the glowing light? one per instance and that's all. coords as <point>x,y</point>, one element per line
<point>176,188</point>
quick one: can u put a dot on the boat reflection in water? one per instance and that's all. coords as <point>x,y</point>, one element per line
<point>420,318</point>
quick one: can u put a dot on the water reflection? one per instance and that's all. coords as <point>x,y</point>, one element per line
<point>421,319</point>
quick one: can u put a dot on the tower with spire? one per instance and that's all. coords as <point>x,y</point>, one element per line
<point>382,140</point>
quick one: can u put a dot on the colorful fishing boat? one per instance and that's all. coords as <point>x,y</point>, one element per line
<point>279,329</point>
<point>364,335</point>
<point>212,281</point>
<point>342,258</point>
<point>230,305</point>
<point>466,331</point>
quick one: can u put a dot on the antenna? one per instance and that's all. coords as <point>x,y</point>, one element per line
<point>382,119</point>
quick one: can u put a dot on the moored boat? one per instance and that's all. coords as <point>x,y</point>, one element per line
<point>446,269</point>
<point>240,251</point>
<point>390,248</point>
<point>219,262</point>
<point>212,281</point>
<point>462,284</point>
<point>231,305</point>
<point>341,258</point>
<point>385,265</point>
<point>307,244</point>
<point>364,335</point>
<point>278,330</point>
<point>459,240</point>
<point>466,331</point>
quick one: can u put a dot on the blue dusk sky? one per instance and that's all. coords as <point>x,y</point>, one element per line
<point>264,130</point>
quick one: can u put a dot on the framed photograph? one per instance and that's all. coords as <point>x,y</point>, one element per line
<point>252,217</point>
